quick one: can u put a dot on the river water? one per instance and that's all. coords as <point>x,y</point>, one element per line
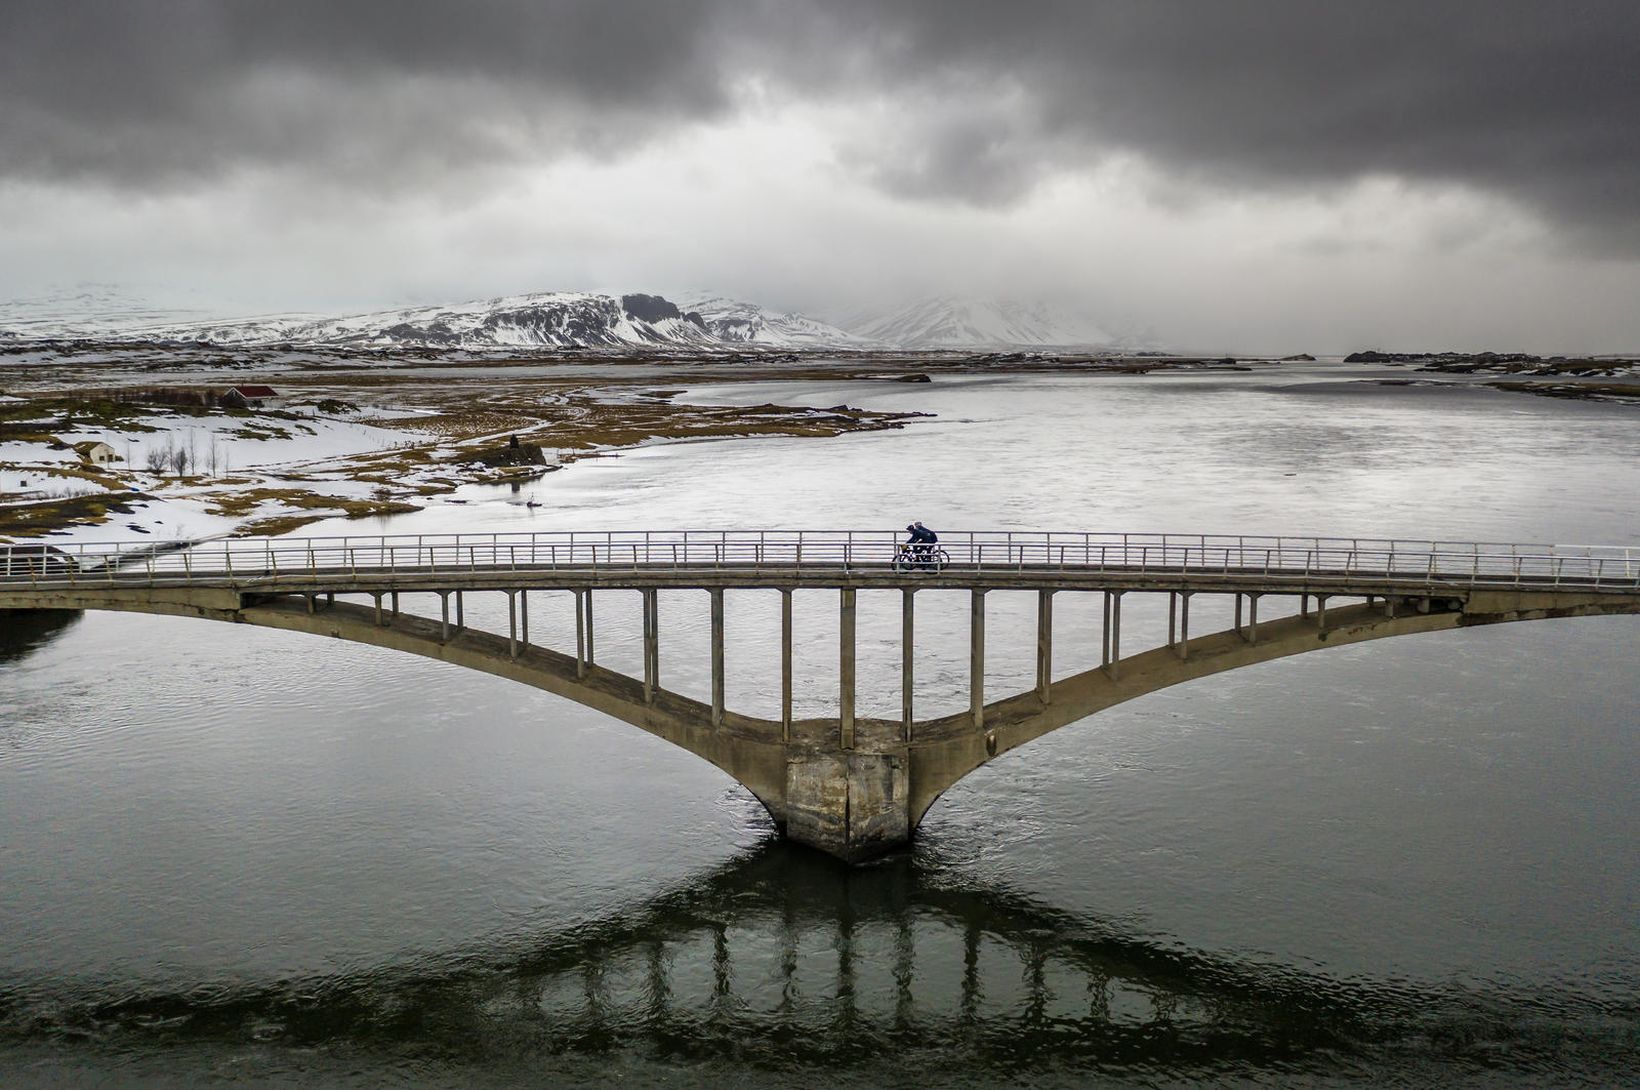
<point>255,858</point>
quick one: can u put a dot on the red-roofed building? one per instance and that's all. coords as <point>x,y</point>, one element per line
<point>248,397</point>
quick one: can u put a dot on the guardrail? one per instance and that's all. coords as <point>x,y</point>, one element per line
<point>228,562</point>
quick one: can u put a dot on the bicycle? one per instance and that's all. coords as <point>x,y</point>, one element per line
<point>926,558</point>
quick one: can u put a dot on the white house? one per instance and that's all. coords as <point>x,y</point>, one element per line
<point>96,452</point>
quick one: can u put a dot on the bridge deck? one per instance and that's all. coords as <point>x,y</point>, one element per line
<point>789,559</point>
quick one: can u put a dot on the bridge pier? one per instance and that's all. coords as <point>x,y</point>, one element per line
<point>852,805</point>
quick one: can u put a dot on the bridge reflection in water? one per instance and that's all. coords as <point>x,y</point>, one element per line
<point>784,959</point>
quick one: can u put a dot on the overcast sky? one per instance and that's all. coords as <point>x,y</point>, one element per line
<point>1279,174</point>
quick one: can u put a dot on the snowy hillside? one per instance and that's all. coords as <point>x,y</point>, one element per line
<point>953,322</point>
<point>85,310</point>
<point>702,322</point>
<point>747,323</point>
<point>537,320</point>
<point>542,319</point>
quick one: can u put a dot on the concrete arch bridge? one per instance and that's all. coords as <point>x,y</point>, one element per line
<point>850,785</point>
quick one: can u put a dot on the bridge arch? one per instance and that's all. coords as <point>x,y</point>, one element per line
<point>772,760</point>
<point>952,749</point>
<point>851,785</point>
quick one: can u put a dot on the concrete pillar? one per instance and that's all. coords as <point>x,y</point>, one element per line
<point>1115,633</point>
<point>716,594</point>
<point>524,618</point>
<point>1321,612</point>
<point>976,658</point>
<point>845,671</point>
<point>512,624</point>
<point>395,604</point>
<point>651,645</point>
<point>786,665</point>
<point>580,635</point>
<point>1237,626</point>
<point>1172,617</point>
<point>592,655</point>
<point>378,600</point>
<point>1184,623</point>
<point>908,647</point>
<point>1252,625</point>
<point>1044,645</point>
<point>1104,632</point>
<point>461,616</point>
<point>444,616</point>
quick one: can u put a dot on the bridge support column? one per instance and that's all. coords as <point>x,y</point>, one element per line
<point>583,632</point>
<point>1044,645</point>
<point>845,668</point>
<point>908,646</point>
<point>461,614</point>
<point>1252,625</point>
<point>1115,633</point>
<point>716,594</point>
<point>512,624</point>
<point>850,805</point>
<point>651,644</point>
<point>785,665</point>
<point>1104,633</point>
<point>1321,612</point>
<point>976,658</point>
<point>1178,604</point>
<point>524,618</point>
<point>444,616</point>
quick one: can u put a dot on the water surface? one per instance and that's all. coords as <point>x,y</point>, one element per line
<point>255,857</point>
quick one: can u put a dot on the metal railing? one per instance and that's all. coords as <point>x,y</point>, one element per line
<point>1358,560</point>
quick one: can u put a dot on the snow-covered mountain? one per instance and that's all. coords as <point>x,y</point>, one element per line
<point>535,320</point>
<point>541,319</point>
<point>700,322</point>
<point>962,323</point>
<point>739,322</point>
<point>86,310</point>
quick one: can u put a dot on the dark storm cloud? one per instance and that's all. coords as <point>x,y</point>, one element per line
<point>1537,101</point>
<point>138,91</point>
<point>1531,100</point>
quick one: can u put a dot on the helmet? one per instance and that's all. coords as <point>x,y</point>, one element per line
<point>911,526</point>
<point>918,524</point>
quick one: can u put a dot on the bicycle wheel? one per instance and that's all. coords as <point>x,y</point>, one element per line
<point>902,561</point>
<point>940,559</point>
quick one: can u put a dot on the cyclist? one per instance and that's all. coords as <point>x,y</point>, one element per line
<point>922,542</point>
